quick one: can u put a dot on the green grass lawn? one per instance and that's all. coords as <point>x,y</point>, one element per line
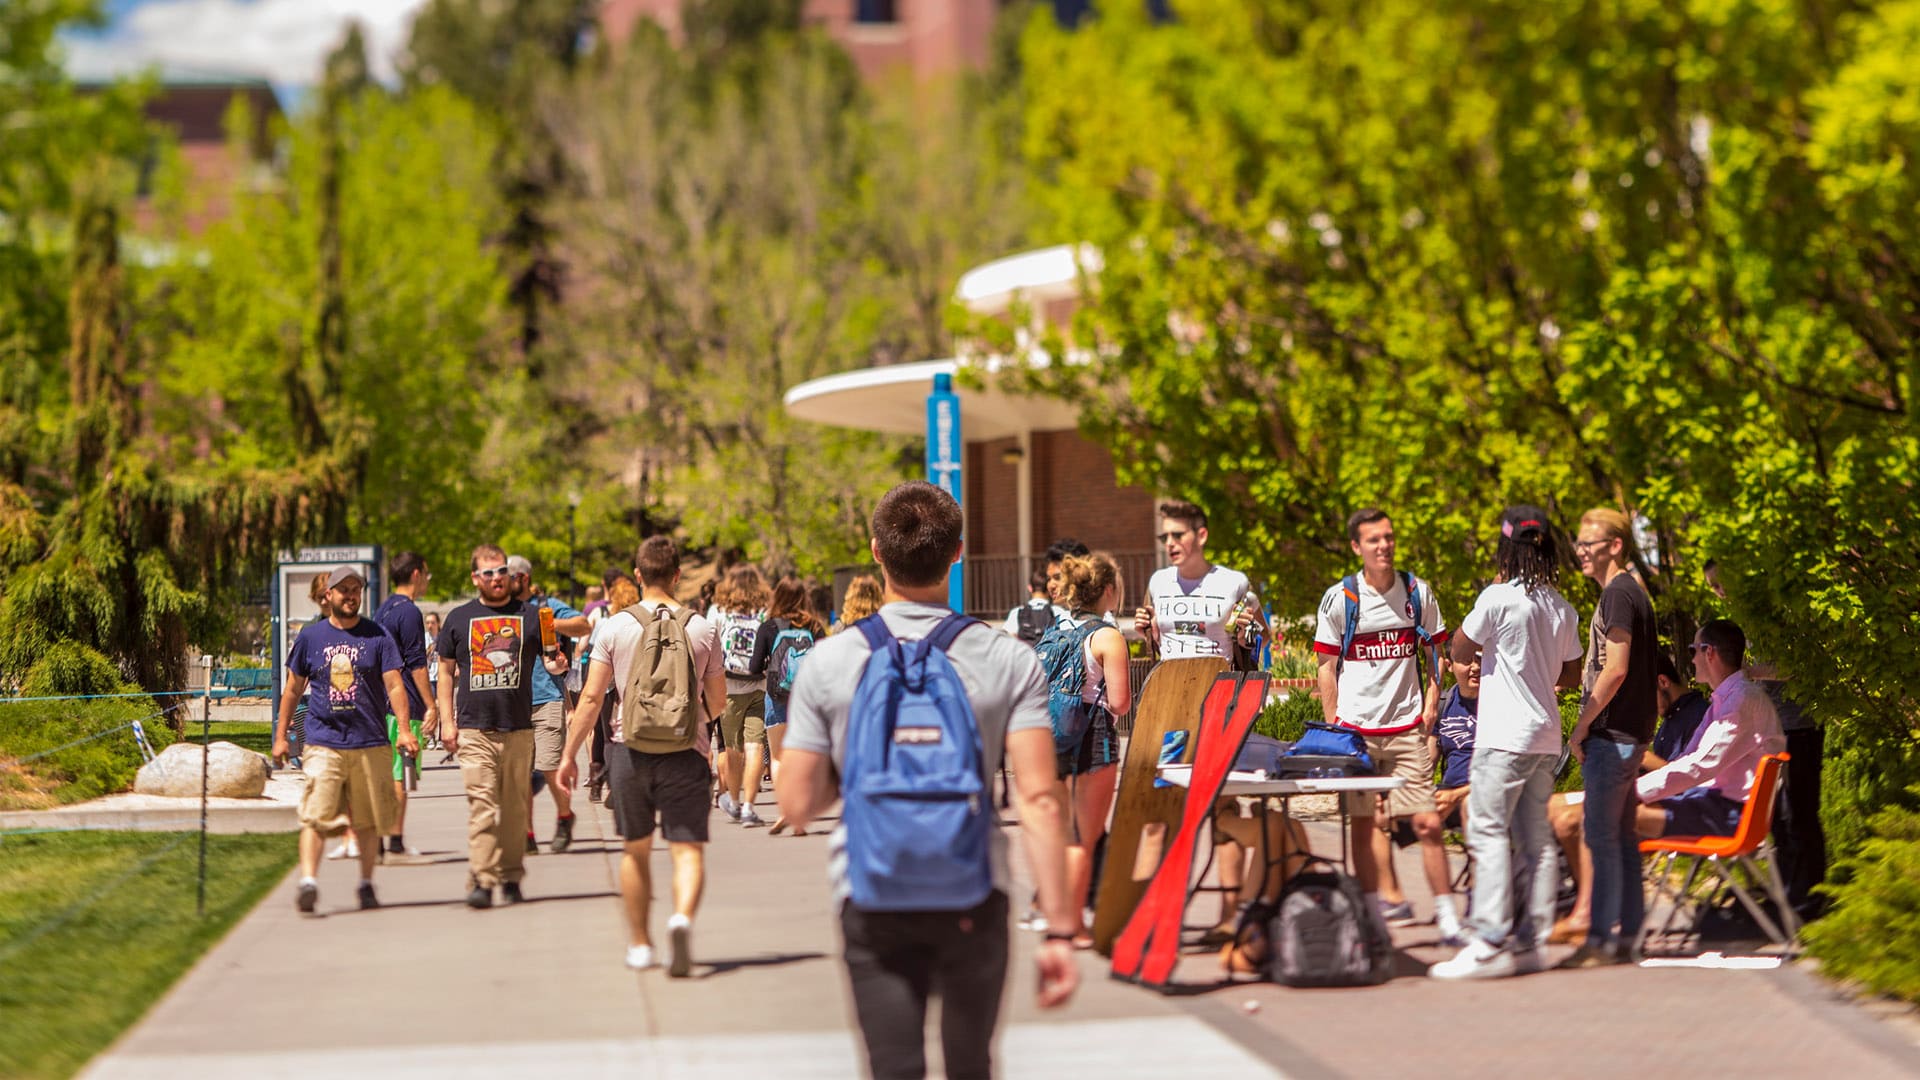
<point>252,734</point>
<point>90,937</point>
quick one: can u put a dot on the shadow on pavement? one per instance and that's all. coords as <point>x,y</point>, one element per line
<point>722,967</point>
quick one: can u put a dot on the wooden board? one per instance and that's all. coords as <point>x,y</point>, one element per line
<point>1170,701</point>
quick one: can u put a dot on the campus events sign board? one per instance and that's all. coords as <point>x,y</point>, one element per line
<point>944,451</point>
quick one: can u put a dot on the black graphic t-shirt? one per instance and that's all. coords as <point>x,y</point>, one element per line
<point>1635,707</point>
<point>496,650</point>
<point>346,673</point>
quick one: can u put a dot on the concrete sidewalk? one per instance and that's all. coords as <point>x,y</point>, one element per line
<point>425,987</point>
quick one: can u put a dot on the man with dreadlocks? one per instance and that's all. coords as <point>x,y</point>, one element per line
<point>1528,638</point>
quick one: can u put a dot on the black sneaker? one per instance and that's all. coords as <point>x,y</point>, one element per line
<point>510,893</point>
<point>562,835</point>
<point>533,846</point>
<point>396,845</point>
<point>367,899</point>
<point>481,897</point>
<point>308,896</point>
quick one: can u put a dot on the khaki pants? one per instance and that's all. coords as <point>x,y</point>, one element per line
<point>497,768</point>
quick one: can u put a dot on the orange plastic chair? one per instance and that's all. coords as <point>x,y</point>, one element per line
<point>1750,848</point>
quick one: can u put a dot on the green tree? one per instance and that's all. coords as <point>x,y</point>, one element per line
<point>1442,257</point>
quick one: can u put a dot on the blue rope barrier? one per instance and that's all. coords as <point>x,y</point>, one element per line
<point>104,697</point>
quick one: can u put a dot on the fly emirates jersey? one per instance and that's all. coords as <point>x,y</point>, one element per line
<point>1191,613</point>
<point>1380,691</point>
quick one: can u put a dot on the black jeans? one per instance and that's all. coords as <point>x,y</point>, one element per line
<point>895,960</point>
<point>1797,832</point>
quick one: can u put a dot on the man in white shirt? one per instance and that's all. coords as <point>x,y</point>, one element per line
<point>1704,791</point>
<point>1194,608</point>
<point>1370,682</point>
<point>1528,638</point>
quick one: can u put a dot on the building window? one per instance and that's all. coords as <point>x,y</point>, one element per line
<point>875,11</point>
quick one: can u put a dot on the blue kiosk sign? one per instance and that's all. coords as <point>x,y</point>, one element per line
<point>943,465</point>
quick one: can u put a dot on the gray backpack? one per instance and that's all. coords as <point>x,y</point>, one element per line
<point>1323,934</point>
<point>658,714</point>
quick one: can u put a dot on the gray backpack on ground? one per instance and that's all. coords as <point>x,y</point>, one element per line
<point>1323,934</point>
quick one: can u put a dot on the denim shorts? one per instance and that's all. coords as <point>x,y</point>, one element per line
<point>776,711</point>
<point>1701,812</point>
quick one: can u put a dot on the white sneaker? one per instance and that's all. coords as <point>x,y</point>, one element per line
<point>1478,960</point>
<point>1034,921</point>
<point>680,946</point>
<point>729,808</point>
<point>339,851</point>
<point>1452,933</point>
<point>749,818</point>
<point>353,848</point>
<point>640,957</point>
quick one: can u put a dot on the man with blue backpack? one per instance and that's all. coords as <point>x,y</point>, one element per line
<point>1376,630</point>
<point>906,716</point>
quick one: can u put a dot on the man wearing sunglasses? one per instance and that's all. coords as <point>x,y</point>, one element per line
<point>1704,790</point>
<point>489,648</point>
<point>1194,608</point>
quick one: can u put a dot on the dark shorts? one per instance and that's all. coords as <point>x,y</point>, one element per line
<point>1701,812</point>
<point>672,787</point>
<point>1099,748</point>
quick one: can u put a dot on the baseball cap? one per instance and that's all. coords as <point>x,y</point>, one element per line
<point>519,566</point>
<point>1523,522</point>
<point>340,575</point>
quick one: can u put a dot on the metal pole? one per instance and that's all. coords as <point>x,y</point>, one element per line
<point>206,752</point>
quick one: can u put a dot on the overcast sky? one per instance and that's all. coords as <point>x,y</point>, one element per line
<point>283,41</point>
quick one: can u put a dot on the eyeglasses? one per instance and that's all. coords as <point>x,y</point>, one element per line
<point>1697,646</point>
<point>492,572</point>
<point>1589,545</point>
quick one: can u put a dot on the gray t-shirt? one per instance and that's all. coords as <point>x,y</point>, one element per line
<point>1003,681</point>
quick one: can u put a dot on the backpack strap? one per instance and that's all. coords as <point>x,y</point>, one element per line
<point>1350,586</point>
<point>949,628</point>
<point>1416,606</point>
<point>874,629</point>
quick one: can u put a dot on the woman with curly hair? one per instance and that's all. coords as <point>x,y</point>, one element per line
<point>862,599</point>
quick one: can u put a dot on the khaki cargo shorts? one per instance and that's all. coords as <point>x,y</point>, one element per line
<point>549,735</point>
<point>1404,755</point>
<point>358,783</point>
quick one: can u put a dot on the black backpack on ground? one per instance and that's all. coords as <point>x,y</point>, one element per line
<point>1323,934</point>
<point>1036,618</point>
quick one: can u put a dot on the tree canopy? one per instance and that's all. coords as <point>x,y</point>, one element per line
<point>1441,257</point>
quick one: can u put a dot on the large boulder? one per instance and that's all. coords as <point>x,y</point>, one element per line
<point>233,772</point>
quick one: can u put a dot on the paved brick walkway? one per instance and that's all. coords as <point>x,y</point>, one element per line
<point>425,987</point>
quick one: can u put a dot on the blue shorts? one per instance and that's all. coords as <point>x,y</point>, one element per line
<point>776,711</point>
<point>1701,812</point>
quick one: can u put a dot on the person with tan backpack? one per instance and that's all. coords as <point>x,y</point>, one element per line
<point>662,660</point>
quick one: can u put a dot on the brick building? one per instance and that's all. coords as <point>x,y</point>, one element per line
<point>195,108</point>
<point>926,36</point>
<point>1028,476</point>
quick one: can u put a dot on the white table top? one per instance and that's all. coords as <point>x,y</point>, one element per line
<point>1253,783</point>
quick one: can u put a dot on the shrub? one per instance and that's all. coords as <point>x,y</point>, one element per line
<point>1872,933</point>
<point>97,767</point>
<point>68,667</point>
<point>1287,718</point>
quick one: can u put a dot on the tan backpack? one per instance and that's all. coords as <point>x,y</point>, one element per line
<point>658,714</point>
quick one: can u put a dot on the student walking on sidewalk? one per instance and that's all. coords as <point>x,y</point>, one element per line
<point>488,648</point>
<point>921,701</point>
<point>354,669</point>
<point>665,661</point>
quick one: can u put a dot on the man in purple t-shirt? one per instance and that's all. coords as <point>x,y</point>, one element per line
<point>353,668</point>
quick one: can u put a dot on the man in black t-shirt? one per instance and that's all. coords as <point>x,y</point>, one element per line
<point>1619,706</point>
<point>488,648</point>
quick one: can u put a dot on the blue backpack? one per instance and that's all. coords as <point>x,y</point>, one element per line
<point>917,809</point>
<point>1061,658</point>
<point>790,646</point>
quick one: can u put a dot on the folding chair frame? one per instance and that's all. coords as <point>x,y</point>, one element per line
<point>1758,863</point>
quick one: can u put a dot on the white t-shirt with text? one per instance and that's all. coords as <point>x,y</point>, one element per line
<point>1525,638</point>
<point>1191,613</point>
<point>1380,689</point>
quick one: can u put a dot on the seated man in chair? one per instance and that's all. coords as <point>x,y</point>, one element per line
<point>1453,742</point>
<point>1703,792</point>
